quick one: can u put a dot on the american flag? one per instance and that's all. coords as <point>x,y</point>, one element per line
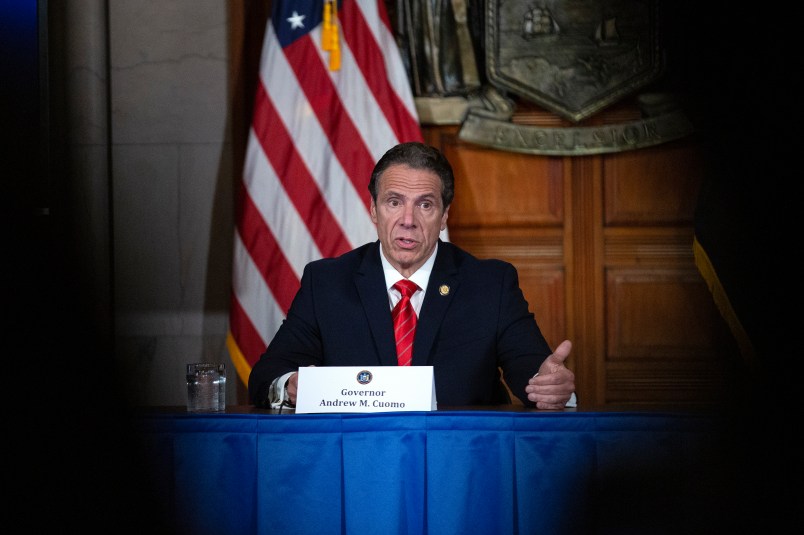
<point>333,96</point>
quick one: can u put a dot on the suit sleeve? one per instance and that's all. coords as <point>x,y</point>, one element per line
<point>521,345</point>
<point>297,343</point>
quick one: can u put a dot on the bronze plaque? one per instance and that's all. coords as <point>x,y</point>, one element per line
<point>573,57</point>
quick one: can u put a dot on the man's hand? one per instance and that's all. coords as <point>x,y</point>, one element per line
<point>292,387</point>
<point>553,386</point>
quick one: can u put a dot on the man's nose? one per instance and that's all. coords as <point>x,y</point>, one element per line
<point>408,215</point>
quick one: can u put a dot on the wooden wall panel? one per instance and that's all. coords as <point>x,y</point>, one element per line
<point>652,186</point>
<point>659,314</point>
<point>668,385</point>
<point>603,245</point>
<point>545,289</point>
<point>656,246</point>
<point>583,243</point>
<point>664,339</point>
<point>508,189</point>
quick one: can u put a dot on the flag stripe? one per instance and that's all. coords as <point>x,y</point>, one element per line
<point>370,58</point>
<point>244,331</point>
<point>347,202</point>
<point>316,134</point>
<point>344,137</point>
<point>251,300</point>
<point>270,200</point>
<point>296,179</point>
<point>270,263</point>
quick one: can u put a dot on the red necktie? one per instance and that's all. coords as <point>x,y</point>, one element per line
<point>404,322</point>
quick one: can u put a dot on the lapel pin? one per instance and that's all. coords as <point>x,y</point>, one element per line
<point>443,289</point>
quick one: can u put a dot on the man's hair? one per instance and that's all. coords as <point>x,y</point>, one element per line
<point>416,156</point>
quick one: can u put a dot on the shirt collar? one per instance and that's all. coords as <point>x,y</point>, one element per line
<point>420,277</point>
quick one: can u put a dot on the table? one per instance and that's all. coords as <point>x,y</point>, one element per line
<point>454,471</point>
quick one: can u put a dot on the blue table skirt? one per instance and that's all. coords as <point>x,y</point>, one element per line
<point>443,472</point>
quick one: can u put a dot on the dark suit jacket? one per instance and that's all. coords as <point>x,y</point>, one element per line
<point>341,317</point>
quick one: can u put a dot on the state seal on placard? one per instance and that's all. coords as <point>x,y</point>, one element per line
<point>364,377</point>
<point>573,57</point>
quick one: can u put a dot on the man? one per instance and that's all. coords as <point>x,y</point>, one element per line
<point>473,319</point>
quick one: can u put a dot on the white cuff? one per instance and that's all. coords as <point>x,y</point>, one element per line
<point>277,392</point>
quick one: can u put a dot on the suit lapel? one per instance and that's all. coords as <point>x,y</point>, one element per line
<point>370,283</point>
<point>441,289</point>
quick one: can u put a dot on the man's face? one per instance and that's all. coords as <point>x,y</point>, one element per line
<point>409,216</point>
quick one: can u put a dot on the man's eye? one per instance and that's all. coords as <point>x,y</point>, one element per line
<point>426,205</point>
<point>393,202</point>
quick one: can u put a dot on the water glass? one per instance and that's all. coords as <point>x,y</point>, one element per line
<point>206,387</point>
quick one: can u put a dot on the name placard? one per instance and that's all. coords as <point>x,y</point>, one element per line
<point>365,389</point>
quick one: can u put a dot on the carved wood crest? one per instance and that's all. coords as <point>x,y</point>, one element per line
<point>573,57</point>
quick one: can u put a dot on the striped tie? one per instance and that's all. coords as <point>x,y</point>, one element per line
<point>404,322</point>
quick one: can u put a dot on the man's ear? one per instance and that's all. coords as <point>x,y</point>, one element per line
<point>373,212</point>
